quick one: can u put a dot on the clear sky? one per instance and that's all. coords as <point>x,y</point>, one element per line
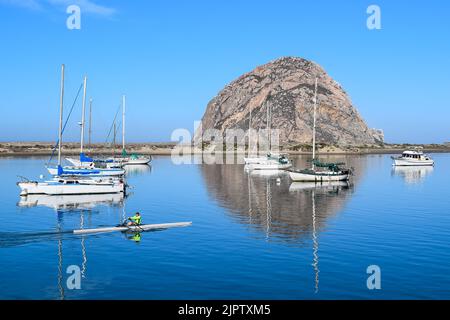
<point>171,57</point>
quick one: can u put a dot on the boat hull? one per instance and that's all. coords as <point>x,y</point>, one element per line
<point>269,166</point>
<point>50,188</point>
<point>413,162</point>
<point>254,160</point>
<point>81,171</point>
<point>322,177</point>
<point>144,227</point>
<point>139,161</point>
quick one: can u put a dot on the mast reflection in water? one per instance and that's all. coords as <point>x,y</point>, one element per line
<point>279,210</point>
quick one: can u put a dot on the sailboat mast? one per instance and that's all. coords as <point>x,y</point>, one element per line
<point>83,112</point>
<point>268,130</point>
<point>61,102</point>
<point>90,123</point>
<point>123,122</point>
<point>314,124</point>
<point>249,132</point>
<point>114,138</point>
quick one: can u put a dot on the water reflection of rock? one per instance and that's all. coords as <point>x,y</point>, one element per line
<point>279,210</point>
<point>412,175</point>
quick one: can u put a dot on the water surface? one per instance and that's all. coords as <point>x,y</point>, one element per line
<point>254,236</point>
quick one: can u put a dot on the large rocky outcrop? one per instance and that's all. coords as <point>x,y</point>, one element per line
<point>286,86</point>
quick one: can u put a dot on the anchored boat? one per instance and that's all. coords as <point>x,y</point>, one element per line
<point>66,183</point>
<point>331,172</point>
<point>84,171</point>
<point>72,186</point>
<point>414,157</point>
<point>328,171</point>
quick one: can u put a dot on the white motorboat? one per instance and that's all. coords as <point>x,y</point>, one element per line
<point>72,185</point>
<point>329,171</point>
<point>414,157</point>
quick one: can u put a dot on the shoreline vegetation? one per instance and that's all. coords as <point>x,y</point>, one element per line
<point>167,148</point>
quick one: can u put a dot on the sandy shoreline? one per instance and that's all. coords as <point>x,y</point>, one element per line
<point>72,149</point>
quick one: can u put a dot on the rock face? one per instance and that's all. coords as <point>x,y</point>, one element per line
<point>286,87</point>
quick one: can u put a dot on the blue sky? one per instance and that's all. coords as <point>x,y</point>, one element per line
<point>171,57</point>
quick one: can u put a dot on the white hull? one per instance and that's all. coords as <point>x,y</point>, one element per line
<point>56,188</point>
<point>254,160</point>
<point>268,166</point>
<point>413,162</point>
<point>83,171</point>
<point>144,227</point>
<point>322,177</point>
<point>139,161</point>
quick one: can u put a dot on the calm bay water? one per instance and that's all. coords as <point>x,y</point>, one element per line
<point>251,238</point>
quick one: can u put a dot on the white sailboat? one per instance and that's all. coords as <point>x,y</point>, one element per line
<point>85,166</point>
<point>130,159</point>
<point>329,171</point>
<point>252,159</point>
<point>89,162</point>
<point>69,185</point>
<point>272,162</point>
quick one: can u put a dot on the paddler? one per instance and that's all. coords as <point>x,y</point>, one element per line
<point>135,220</point>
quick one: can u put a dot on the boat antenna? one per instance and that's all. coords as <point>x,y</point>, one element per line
<point>61,102</point>
<point>83,115</point>
<point>314,125</point>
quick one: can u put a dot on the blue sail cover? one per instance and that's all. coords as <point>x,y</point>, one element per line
<point>84,158</point>
<point>70,172</point>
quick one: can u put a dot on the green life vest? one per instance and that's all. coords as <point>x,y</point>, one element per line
<point>136,219</point>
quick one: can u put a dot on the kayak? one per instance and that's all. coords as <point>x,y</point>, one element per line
<point>143,227</point>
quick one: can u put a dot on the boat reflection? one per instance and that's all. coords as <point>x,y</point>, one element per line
<point>411,174</point>
<point>71,202</point>
<point>272,205</point>
<point>137,169</point>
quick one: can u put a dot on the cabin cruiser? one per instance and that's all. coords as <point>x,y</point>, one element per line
<point>414,157</point>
